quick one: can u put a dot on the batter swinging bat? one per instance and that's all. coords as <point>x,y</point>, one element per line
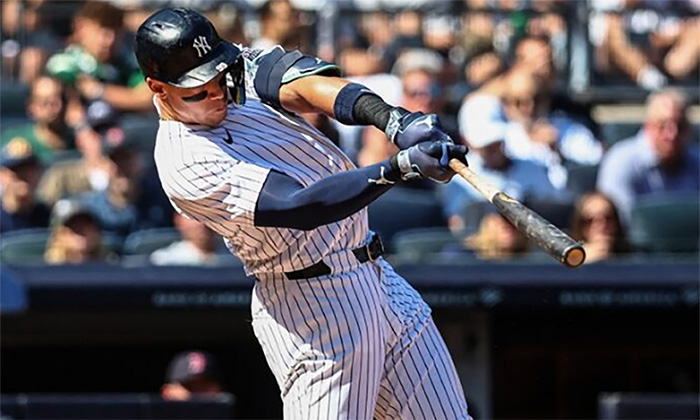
<point>547,236</point>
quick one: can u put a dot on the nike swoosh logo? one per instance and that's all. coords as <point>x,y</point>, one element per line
<point>228,138</point>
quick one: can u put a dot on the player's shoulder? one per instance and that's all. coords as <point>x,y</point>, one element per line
<point>179,146</point>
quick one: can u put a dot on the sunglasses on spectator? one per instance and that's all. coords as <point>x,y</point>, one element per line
<point>522,101</point>
<point>433,92</point>
<point>666,124</point>
<point>607,218</point>
<point>47,102</point>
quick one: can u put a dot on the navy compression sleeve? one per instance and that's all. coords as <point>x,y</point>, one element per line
<point>284,202</point>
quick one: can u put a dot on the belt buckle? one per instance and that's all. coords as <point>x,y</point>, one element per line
<point>375,248</point>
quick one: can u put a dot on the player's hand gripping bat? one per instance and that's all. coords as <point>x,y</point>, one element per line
<point>547,236</point>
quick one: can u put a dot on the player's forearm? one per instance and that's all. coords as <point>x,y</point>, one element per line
<point>284,202</point>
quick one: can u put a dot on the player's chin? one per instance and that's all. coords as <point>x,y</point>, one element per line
<point>216,116</point>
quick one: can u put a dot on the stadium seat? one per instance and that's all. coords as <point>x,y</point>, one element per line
<point>416,245</point>
<point>621,406</point>
<point>13,99</point>
<point>582,179</point>
<point>401,209</point>
<point>25,246</point>
<point>614,132</point>
<point>558,213</point>
<point>115,406</point>
<point>666,223</point>
<point>144,242</point>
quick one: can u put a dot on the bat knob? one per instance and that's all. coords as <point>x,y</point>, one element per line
<point>574,256</point>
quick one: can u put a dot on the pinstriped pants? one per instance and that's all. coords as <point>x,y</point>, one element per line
<point>354,346</point>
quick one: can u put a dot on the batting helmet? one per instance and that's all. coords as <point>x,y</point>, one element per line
<point>182,48</point>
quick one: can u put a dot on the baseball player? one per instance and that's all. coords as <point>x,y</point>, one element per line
<point>345,336</point>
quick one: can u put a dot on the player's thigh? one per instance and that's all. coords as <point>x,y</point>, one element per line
<point>420,380</point>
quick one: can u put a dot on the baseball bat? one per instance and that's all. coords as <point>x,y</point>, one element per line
<point>547,236</point>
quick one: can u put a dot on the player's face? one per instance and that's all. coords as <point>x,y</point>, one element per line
<point>204,105</point>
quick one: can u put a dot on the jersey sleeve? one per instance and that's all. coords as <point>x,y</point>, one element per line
<point>220,193</point>
<point>267,70</point>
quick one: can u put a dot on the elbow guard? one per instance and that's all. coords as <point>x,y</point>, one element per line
<point>279,67</point>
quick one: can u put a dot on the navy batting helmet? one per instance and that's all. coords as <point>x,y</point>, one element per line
<point>182,48</point>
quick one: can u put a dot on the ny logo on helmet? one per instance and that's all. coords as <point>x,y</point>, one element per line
<point>201,45</point>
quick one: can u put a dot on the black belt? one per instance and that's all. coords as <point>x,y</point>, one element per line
<point>370,252</point>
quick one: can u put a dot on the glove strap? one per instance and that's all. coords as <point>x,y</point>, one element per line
<point>408,170</point>
<point>394,124</point>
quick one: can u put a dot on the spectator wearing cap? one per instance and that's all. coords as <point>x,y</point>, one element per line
<point>75,236</point>
<point>659,159</point>
<point>98,64</point>
<point>48,132</point>
<point>20,171</point>
<point>192,374</point>
<point>516,177</point>
<point>197,246</point>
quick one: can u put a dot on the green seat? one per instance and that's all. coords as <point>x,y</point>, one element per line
<point>145,242</point>
<point>25,246</point>
<point>402,209</point>
<point>28,246</point>
<point>666,224</point>
<point>13,98</point>
<point>418,245</point>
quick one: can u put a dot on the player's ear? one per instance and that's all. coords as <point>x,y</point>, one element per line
<point>156,87</point>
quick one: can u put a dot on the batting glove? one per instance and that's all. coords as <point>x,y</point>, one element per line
<point>428,160</point>
<point>406,129</point>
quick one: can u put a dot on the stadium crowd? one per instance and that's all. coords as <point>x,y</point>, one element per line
<point>78,122</point>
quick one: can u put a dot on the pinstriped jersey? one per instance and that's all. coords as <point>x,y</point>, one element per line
<point>215,174</point>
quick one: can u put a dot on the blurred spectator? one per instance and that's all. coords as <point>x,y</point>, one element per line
<point>517,178</point>
<point>48,132</point>
<point>538,133</point>
<point>75,237</point>
<point>191,374</point>
<point>98,64</point>
<point>279,25</point>
<point>497,239</point>
<point>658,159</point>
<point>483,68</point>
<point>26,39</point>
<point>646,40</point>
<point>91,172</point>
<point>534,54</point>
<point>20,171</point>
<point>422,92</point>
<point>597,224</point>
<point>116,207</point>
<point>197,247</point>
<point>408,34</point>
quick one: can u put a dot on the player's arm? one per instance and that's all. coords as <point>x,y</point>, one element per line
<point>284,202</point>
<point>299,83</point>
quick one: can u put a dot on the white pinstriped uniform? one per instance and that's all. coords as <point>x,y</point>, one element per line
<point>354,344</point>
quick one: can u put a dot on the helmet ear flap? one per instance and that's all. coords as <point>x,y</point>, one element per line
<point>235,81</point>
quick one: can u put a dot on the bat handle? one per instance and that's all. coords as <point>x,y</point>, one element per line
<point>485,188</point>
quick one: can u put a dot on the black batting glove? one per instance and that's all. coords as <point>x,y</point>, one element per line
<point>428,160</point>
<point>406,129</point>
